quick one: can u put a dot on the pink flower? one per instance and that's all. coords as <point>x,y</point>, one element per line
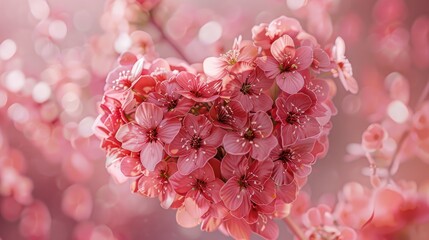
<point>149,134</point>
<point>123,77</point>
<point>291,159</point>
<point>321,61</point>
<point>238,59</point>
<point>266,227</point>
<point>255,137</point>
<point>296,123</point>
<point>264,34</point>
<point>167,98</point>
<point>200,188</point>
<point>121,164</point>
<point>198,89</point>
<point>228,114</point>
<point>248,89</point>
<point>195,143</point>
<point>373,137</point>
<point>248,182</point>
<point>156,183</point>
<point>108,122</point>
<point>344,68</point>
<point>320,224</point>
<point>286,63</point>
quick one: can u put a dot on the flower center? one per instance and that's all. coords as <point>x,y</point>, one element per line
<point>292,118</point>
<point>196,93</point>
<point>123,82</point>
<point>245,88</point>
<point>163,174</point>
<point>172,104</point>
<point>196,142</point>
<point>242,182</point>
<point>152,135</point>
<point>224,115</point>
<point>249,134</point>
<point>286,156</point>
<point>288,67</point>
<point>200,184</point>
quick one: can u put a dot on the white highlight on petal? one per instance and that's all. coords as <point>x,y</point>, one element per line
<point>7,49</point>
<point>210,32</point>
<point>398,111</point>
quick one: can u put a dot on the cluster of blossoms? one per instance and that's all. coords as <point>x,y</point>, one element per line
<point>227,143</point>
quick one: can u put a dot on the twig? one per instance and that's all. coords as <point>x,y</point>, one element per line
<point>167,38</point>
<point>423,95</point>
<point>294,228</point>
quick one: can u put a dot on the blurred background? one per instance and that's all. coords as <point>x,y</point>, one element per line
<point>55,55</point>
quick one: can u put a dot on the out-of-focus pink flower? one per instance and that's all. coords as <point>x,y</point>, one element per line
<point>420,42</point>
<point>320,224</point>
<point>36,221</point>
<point>196,143</point>
<point>247,183</point>
<point>255,137</point>
<point>373,137</point>
<point>77,202</point>
<point>149,134</point>
<point>344,68</point>
<point>286,63</point>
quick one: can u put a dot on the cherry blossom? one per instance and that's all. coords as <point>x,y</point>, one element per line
<point>195,143</point>
<point>247,183</point>
<point>149,134</point>
<point>286,63</point>
<point>255,137</point>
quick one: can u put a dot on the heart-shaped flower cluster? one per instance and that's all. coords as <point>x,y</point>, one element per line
<point>228,143</point>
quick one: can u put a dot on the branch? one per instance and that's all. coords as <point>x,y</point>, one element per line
<point>294,228</point>
<point>167,38</point>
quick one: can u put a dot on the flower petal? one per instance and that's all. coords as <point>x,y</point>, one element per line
<point>151,154</point>
<point>235,144</point>
<point>267,195</point>
<point>262,147</point>
<point>231,194</point>
<point>283,48</point>
<point>290,82</point>
<point>304,57</point>
<point>132,136</point>
<point>148,115</point>
<point>168,129</point>
<point>215,67</point>
<point>269,65</point>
